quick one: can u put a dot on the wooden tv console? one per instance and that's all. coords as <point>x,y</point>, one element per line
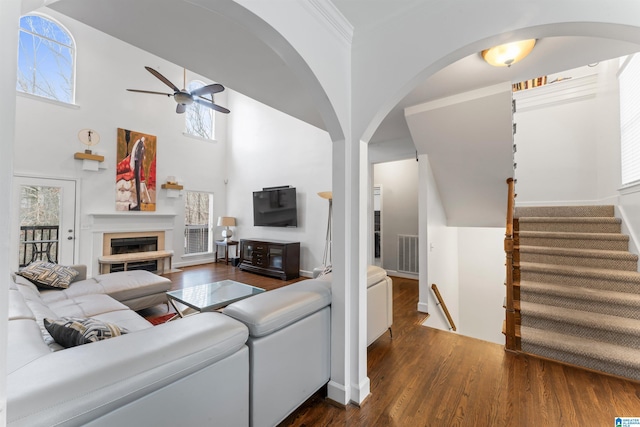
<point>272,258</point>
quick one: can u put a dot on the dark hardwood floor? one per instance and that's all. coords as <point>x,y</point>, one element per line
<point>428,377</point>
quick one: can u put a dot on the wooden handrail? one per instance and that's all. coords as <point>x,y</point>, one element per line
<point>510,329</point>
<point>444,306</point>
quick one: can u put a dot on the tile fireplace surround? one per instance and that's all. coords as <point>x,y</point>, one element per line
<point>102,227</point>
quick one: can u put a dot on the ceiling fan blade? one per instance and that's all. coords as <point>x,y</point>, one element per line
<point>181,108</point>
<point>213,88</point>
<point>162,78</point>
<point>150,91</point>
<point>211,105</point>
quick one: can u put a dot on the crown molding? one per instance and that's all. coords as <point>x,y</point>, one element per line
<point>562,92</point>
<point>329,15</point>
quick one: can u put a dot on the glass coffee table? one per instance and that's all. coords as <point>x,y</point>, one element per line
<point>210,296</point>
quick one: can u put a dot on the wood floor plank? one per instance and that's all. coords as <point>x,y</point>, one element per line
<point>428,377</point>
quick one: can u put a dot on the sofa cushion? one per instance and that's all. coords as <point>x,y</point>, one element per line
<point>375,274</point>
<point>270,311</point>
<point>123,286</point>
<point>73,331</point>
<point>48,275</point>
<point>86,306</point>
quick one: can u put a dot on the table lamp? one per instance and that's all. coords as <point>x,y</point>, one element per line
<point>226,221</point>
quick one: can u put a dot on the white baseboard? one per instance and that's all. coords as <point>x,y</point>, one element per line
<point>359,392</point>
<point>423,308</point>
<point>337,392</point>
<point>401,274</point>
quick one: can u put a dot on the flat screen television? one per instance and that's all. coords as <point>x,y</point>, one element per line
<point>275,207</point>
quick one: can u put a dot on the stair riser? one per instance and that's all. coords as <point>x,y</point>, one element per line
<point>628,311</point>
<point>631,340</point>
<point>614,264</point>
<point>587,282</point>
<point>565,211</point>
<point>579,360</point>
<point>570,227</point>
<point>612,245</point>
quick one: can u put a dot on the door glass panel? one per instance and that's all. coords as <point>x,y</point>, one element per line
<point>39,223</point>
<point>275,257</point>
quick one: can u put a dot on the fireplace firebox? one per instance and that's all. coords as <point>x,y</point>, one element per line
<point>126,245</point>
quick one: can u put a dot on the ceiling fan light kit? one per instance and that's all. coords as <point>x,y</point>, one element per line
<point>508,54</point>
<point>184,97</point>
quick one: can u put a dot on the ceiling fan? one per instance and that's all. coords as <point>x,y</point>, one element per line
<point>183,97</point>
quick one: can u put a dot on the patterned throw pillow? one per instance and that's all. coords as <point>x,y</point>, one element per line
<point>48,275</point>
<point>72,331</point>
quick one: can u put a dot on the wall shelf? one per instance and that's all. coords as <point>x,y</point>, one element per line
<point>173,190</point>
<point>90,162</point>
<point>168,186</point>
<point>85,156</point>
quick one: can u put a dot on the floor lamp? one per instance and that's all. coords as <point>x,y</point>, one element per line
<point>326,259</point>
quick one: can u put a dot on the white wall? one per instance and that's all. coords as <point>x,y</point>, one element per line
<point>481,274</point>
<point>441,254</point>
<point>46,132</point>
<point>467,265</point>
<point>568,140</point>
<point>399,211</point>
<point>267,149</point>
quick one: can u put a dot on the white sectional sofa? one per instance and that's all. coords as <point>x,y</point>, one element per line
<point>379,302</point>
<point>206,369</point>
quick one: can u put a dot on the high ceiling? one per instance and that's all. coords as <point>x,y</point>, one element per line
<point>245,64</point>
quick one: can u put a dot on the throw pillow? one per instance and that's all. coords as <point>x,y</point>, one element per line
<point>72,331</point>
<point>48,275</point>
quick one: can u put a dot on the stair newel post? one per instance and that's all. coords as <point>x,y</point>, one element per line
<point>510,331</point>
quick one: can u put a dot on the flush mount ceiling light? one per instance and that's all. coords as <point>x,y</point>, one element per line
<point>508,54</point>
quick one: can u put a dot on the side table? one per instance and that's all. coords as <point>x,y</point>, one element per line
<point>226,245</point>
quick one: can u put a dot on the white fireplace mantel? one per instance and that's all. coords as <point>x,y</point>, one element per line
<point>128,221</point>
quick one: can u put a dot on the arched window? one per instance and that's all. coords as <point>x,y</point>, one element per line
<point>199,119</point>
<point>46,56</point>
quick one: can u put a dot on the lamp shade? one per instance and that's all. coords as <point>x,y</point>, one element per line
<point>226,221</point>
<point>326,195</point>
<point>508,54</point>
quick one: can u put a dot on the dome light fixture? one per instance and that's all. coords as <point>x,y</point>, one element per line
<point>508,54</point>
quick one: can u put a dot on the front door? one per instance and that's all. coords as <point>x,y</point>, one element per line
<point>44,220</point>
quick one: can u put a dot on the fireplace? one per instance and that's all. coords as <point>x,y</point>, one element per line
<point>123,243</point>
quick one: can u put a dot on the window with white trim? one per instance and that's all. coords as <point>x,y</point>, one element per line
<point>629,81</point>
<point>198,118</point>
<point>46,55</point>
<point>198,222</point>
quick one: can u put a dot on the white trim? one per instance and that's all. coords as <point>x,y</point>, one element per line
<point>402,275</point>
<point>47,100</point>
<point>199,138</point>
<point>458,99</point>
<point>359,392</point>
<point>423,308</point>
<point>627,228</point>
<point>331,17</point>
<point>630,188</point>
<point>337,392</point>
<point>563,92</point>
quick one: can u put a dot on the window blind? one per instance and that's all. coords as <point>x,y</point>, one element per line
<point>629,80</point>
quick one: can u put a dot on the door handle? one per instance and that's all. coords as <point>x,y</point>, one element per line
<point>70,238</point>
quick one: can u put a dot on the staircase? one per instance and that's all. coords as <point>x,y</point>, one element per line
<point>579,288</point>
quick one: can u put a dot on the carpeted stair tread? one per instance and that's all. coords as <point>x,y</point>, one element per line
<point>611,358</point>
<point>576,252</point>
<point>592,320</point>
<point>571,224</point>
<point>587,272</point>
<point>582,298</point>
<point>572,235</point>
<point>565,220</point>
<point>598,258</point>
<point>565,211</point>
